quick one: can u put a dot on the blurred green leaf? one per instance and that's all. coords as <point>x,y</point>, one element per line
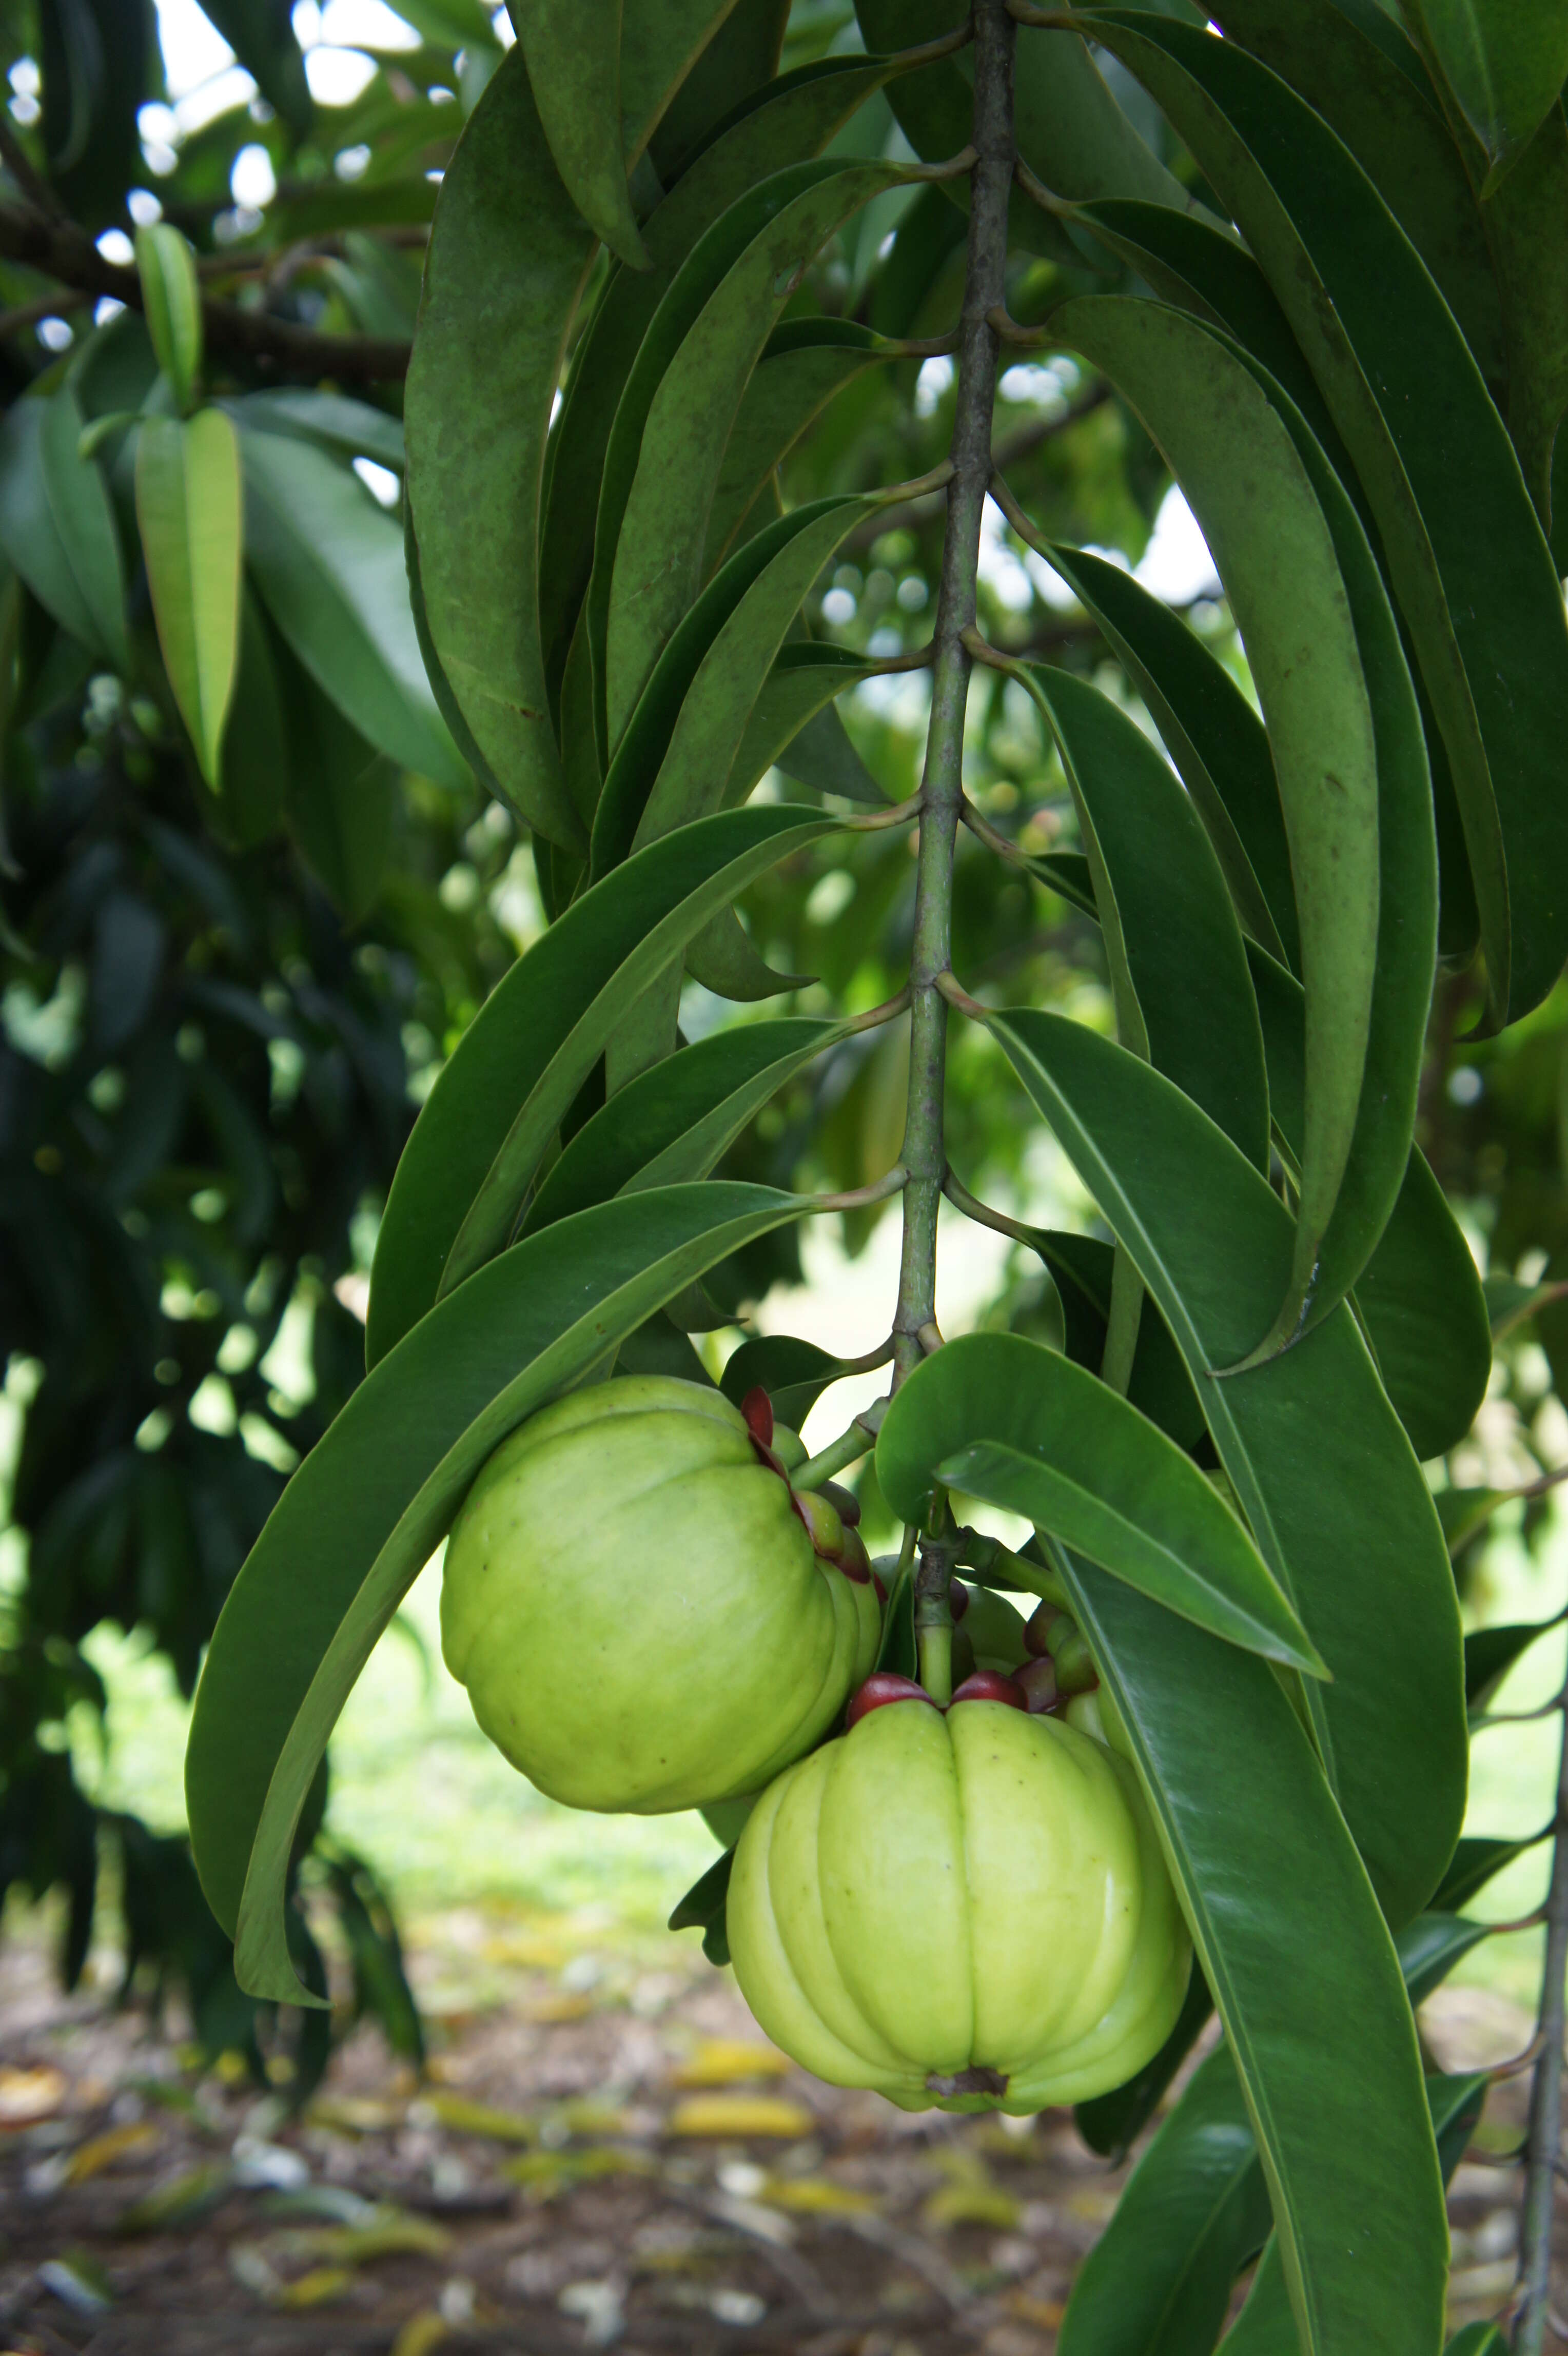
<point>189,506</point>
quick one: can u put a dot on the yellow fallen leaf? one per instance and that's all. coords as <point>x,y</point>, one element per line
<point>421,2333</point>
<point>91,2158</point>
<point>740,2115</point>
<point>555,2005</point>
<point>29,2095</point>
<point>174,2204</point>
<point>581,2115</point>
<point>817,2196</point>
<point>725,2061</point>
<point>464,2117</point>
<point>973,2203</point>
<point>1047,2313</point>
<point>393,2235</point>
<point>319,2287</point>
<point>355,2114</point>
<point>545,2174</point>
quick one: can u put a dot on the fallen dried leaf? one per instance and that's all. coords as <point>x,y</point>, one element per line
<point>464,2117</point>
<point>727,2061</point>
<point>78,2282</point>
<point>1048,2313</point>
<point>320,2288</point>
<point>91,2158</point>
<point>740,2115</point>
<point>421,2333</point>
<point>392,2233</point>
<point>553,2004</point>
<point>29,2095</point>
<point>355,2114</point>
<point>545,2174</point>
<point>817,2196</point>
<point>179,2203</point>
<point>971,2203</point>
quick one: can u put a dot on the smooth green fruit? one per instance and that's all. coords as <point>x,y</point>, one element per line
<point>636,1608</point>
<point>970,1910</point>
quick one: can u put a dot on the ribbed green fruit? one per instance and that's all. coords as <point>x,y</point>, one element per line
<point>970,1910</point>
<point>636,1608</point>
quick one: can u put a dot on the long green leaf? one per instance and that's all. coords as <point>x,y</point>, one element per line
<point>572,47</point>
<point>1420,1293</point>
<point>673,761</point>
<point>1503,62</point>
<point>1159,889</point>
<point>1112,2122</point>
<point>1387,116</point>
<point>1265,2326</point>
<point>29,533</point>
<point>785,124</point>
<point>1464,549</point>
<point>799,689</point>
<point>806,364</point>
<point>673,1123</point>
<point>190,509</point>
<point>663,531</point>
<point>1326,2051</point>
<point>534,1042</point>
<point>171,298</point>
<point>1531,267</point>
<point>1277,557</point>
<point>1196,2209</point>
<point>328,565</point>
<point>1212,734</point>
<point>1159,2281</point>
<point>1348,1524</point>
<point>507,260</point>
<point>1329,1261</point>
<point>1004,1420</point>
<point>373,1500</point>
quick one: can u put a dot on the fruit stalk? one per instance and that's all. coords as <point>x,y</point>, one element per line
<point>924,1154</point>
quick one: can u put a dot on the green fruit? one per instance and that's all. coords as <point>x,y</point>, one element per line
<point>970,1910</point>
<point>637,1609</point>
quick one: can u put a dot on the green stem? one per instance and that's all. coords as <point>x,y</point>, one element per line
<point>924,1154</point>
<point>857,1441</point>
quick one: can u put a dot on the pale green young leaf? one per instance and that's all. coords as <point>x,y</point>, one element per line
<point>171,299</point>
<point>189,509</point>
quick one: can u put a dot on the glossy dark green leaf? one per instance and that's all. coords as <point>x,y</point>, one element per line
<point>1165,909</point>
<point>1279,557</point>
<point>1212,734</point>
<point>1420,1293</point>
<point>534,1041</point>
<point>373,1499</point>
<point>339,794</point>
<point>327,562</point>
<point>507,260</point>
<point>1473,1863</point>
<point>704,1901</point>
<point>740,58</point>
<point>793,1372</point>
<point>1397,135</point>
<point>1194,2211</point>
<point>1490,1653</point>
<point>724,958</point>
<point>262,35</point>
<point>1265,2326</point>
<point>673,1123</point>
<point>1159,1384</point>
<point>783,124</point>
<point>673,761</point>
<point>572,48</point>
<point>1504,65</point>
<point>1348,1524</point>
<point>1112,2122</point>
<point>56,526</point>
<point>1326,2051</point>
<point>1531,268</point>
<point>1464,547</point>
<point>1196,2207</point>
<point>657,552</point>
<point>1004,1420</point>
<point>1477,2339</point>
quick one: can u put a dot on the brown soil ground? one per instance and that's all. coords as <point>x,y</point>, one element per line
<point>603,2153</point>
